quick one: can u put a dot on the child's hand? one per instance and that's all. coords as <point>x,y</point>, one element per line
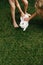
<point>26,19</point>
<point>22,14</point>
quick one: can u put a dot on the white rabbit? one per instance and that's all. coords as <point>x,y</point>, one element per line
<point>24,24</point>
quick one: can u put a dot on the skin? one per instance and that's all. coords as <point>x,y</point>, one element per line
<point>39,10</point>
<point>25,2</point>
<point>13,4</point>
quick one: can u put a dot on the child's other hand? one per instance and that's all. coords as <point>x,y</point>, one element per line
<point>26,19</point>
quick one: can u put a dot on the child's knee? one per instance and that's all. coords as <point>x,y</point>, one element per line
<point>12,4</point>
<point>25,2</point>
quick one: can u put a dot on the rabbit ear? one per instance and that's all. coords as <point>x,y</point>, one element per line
<point>29,14</point>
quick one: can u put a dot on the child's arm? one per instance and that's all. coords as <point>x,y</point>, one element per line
<point>31,17</point>
<point>18,5</point>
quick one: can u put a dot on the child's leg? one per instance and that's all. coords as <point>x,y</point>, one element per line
<point>12,4</point>
<point>25,5</point>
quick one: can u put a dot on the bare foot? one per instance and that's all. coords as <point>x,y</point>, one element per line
<point>15,25</point>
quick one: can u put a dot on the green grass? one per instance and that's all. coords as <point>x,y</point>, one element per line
<point>18,47</point>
